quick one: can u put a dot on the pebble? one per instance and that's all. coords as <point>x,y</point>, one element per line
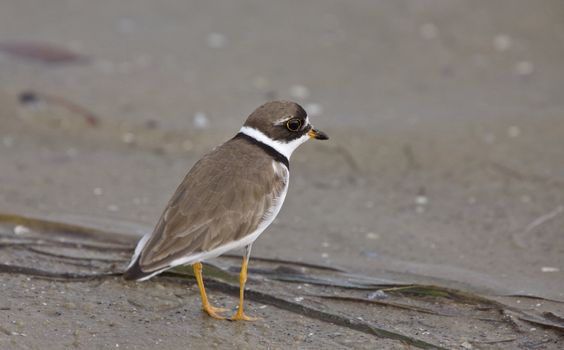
<point>524,68</point>
<point>549,269</point>
<point>298,299</point>
<point>21,230</point>
<point>466,345</point>
<point>128,137</point>
<point>513,131</point>
<point>200,120</point>
<point>502,42</point>
<point>98,191</point>
<point>421,200</point>
<point>378,295</point>
<point>372,235</point>
<point>112,207</point>
<point>215,40</point>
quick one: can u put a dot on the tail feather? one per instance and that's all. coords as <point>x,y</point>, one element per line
<point>134,272</point>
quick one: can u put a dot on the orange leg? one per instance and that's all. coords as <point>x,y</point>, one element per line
<point>240,315</point>
<point>206,306</point>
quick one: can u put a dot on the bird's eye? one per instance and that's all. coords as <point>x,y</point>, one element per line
<point>294,124</point>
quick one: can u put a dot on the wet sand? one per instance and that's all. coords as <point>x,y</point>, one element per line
<point>444,165</point>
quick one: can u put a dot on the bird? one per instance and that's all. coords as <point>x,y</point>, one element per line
<point>227,199</point>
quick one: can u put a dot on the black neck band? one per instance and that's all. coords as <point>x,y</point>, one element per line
<point>269,150</point>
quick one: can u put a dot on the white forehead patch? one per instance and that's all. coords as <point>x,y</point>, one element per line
<point>284,148</point>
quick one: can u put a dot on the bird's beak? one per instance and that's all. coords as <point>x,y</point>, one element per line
<point>316,134</point>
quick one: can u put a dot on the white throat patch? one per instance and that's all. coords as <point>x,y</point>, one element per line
<point>284,148</point>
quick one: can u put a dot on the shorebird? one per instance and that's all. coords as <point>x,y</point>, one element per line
<point>227,199</point>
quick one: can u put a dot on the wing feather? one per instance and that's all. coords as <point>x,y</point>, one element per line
<point>214,205</point>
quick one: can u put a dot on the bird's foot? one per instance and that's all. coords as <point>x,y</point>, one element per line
<point>214,311</point>
<point>240,316</point>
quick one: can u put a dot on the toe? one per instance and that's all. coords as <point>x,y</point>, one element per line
<point>213,312</point>
<point>242,317</point>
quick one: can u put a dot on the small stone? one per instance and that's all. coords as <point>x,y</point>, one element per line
<point>298,299</point>
<point>378,295</point>
<point>299,92</point>
<point>513,131</point>
<point>215,40</point>
<point>128,137</point>
<point>325,255</point>
<point>200,120</point>
<point>524,68</point>
<point>421,200</point>
<point>549,269</point>
<point>502,42</point>
<point>21,230</point>
<point>466,345</point>
<point>325,244</point>
<point>112,207</point>
<point>98,191</point>
<point>372,235</point>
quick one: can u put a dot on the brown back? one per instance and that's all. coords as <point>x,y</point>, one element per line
<point>223,198</point>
